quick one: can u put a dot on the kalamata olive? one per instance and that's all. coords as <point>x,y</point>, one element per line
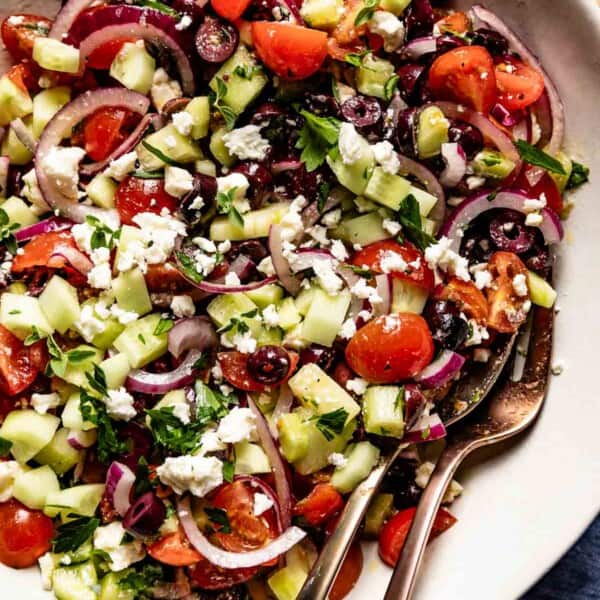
<point>362,111</point>
<point>400,481</point>
<point>260,179</point>
<point>319,355</point>
<point>290,184</point>
<point>467,136</point>
<point>447,327</point>
<point>420,19</point>
<point>409,80</point>
<point>491,40</point>
<point>253,249</point>
<point>269,364</point>
<point>139,443</point>
<point>476,247</point>
<point>414,402</point>
<point>322,105</point>
<point>145,515</point>
<point>261,10</point>
<point>508,232</point>
<point>216,40</point>
<point>537,258</point>
<point>205,188</point>
<point>405,130</point>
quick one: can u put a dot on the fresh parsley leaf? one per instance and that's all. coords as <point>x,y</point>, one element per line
<point>143,580</point>
<point>159,154</point>
<point>40,28</point>
<point>171,434</point>
<point>219,517</point>
<point>361,271</point>
<point>226,111</point>
<point>331,423</point>
<point>33,337</point>
<point>246,71</point>
<point>426,433</point>
<point>211,405</point>
<point>317,137</point>
<point>534,156</point>
<point>73,534</point>
<point>228,470</point>
<point>188,267</point>
<point>163,326</point>
<point>142,338</point>
<point>159,6</point>
<point>355,58</point>
<point>366,13</point>
<point>579,175</point>
<point>6,232</point>
<point>390,87</point>
<point>323,195</point>
<point>225,206</point>
<point>102,236</point>
<point>5,446</point>
<point>97,381</point>
<point>201,363</point>
<point>143,482</point>
<point>409,216</point>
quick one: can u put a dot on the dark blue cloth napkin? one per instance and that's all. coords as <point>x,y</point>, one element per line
<point>577,575</point>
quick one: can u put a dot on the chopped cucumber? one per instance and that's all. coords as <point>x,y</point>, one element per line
<point>363,230</point>
<point>12,147</point>
<point>388,190</point>
<point>228,306</point>
<point>320,393</point>
<point>383,410</point>
<point>18,212</point>
<point>59,454</point>
<point>17,287</point>
<point>270,336</point>
<point>199,108</point>
<point>325,317</point>
<point>567,164</point>
<point>75,583</point>
<point>110,589</point>
<point>541,292</point>
<point>360,461</point>
<point>218,148</point>
<point>139,343</point>
<point>256,224</point>
<point>355,176</point>
<point>112,328</point>
<point>134,67</point>
<point>20,314</point>
<point>102,190</point>
<point>289,316</point>
<point>55,56</point>
<point>407,297</point>
<point>379,510</point>
<point>170,399</point>
<point>372,76</point>
<point>80,499</point>
<point>32,487</point>
<point>322,14</point>
<point>115,368</point>
<point>492,164</point>
<point>46,104</point>
<point>60,304</point>
<point>293,436</point>
<point>241,89</point>
<point>167,142</point>
<point>131,292</point>
<point>432,132</point>
<point>75,373</point>
<point>206,167</point>
<point>71,415</point>
<point>28,431</point>
<point>250,459</point>
<point>426,200</point>
<point>15,101</point>
<point>304,299</point>
<point>287,582</point>
<point>396,7</point>
<point>266,295</point>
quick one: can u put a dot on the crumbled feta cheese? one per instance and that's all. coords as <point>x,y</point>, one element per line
<point>224,247</point>
<point>455,200</point>
<point>197,203</point>
<point>119,404</point>
<point>181,410</point>
<point>534,220</point>
<point>519,284</point>
<point>348,329</point>
<point>100,277</point>
<point>536,130</point>
<point>225,389</point>
<point>184,23</point>
<point>392,262</point>
<point>235,184</point>
<point>164,89</point>
<point>183,306</point>
<point>365,315</point>
<point>351,145</point>
<point>477,334</point>
<point>123,316</point>
<point>9,470</point>
<point>474,182</point>
<point>291,223</point>
<point>389,27</point>
<point>361,289</point>
<point>237,426</point>
<point>339,250</point>
<point>440,256</point>
<point>328,280</point>
<point>262,503</point>
<point>386,156</point>
<point>244,342</point>
<point>232,279</point>
<point>337,459</point>
<point>332,218</point>
<point>319,234</point>
<point>62,166</point>
<point>211,442</point>
<point>204,244</point>
<point>265,266</point>
<point>178,182</point>
<point>204,263</point>
<point>357,385</point>
<point>423,474</point>
<point>31,191</point>
<point>392,227</point>
<point>197,474</point>
<point>43,402</point>
<point>482,355</point>
<point>534,205</point>
<point>119,168</point>
<point>247,143</point>
<point>217,372</point>
<point>47,566</point>
<point>270,316</point>
<point>482,277</point>
<point>109,539</point>
<point>88,324</point>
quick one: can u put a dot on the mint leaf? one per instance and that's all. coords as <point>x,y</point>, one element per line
<point>534,156</point>
<point>73,534</point>
<point>579,175</point>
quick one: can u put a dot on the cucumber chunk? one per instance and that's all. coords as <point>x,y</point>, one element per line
<point>322,14</point>
<point>363,230</point>
<point>199,108</point>
<point>432,132</point>
<point>131,292</point>
<point>115,368</point>
<point>59,454</point>
<point>110,589</point>
<point>372,76</point>
<point>287,582</point>
<point>101,190</point>
<point>426,200</point>
<point>29,432</point>
<point>139,343</point>
<point>304,299</point>
<point>80,499</point>
<point>325,317</point>
<point>46,104</point>
<point>567,164</point>
<point>388,190</point>
<point>60,304</point>
<point>256,224</point>
<point>71,415</point>
<point>15,101</point>
<point>361,459</point>
<point>55,56</point>
<point>380,509</point>
<point>541,292</point>
<point>407,297</point>
<point>76,373</point>
<point>317,391</point>
<point>492,164</point>
<point>218,148</point>
<point>13,147</point>
<point>19,212</point>
<point>32,487</point>
<point>266,295</point>
<point>355,176</point>
<point>250,459</point>
<point>289,316</point>
<point>75,583</point>
<point>293,436</point>
<point>170,143</point>
<point>134,67</point>
<point>20,314</point>
<point>228,306</point>
<point>383,410</point>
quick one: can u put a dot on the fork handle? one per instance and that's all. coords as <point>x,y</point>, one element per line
<point>403,580</point>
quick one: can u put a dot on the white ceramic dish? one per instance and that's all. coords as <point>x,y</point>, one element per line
<point>522,508</point>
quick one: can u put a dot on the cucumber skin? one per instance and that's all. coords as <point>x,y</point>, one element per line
<point>32,487</point>
<point>360,461</point>
<point>29,432</point>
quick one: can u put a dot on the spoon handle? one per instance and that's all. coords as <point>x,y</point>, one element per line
<point>403,580</point>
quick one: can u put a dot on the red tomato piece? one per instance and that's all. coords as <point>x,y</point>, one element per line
<point>547,186</point>
<point>230,9</point>
<point>320,505</point>
<point>207,576</point>
<point>20,31</point>
<point>165,277</point>
<point>103,56</point>
<point>41,250</point>
<point>135,195</point>
<point>349,573</point>
<point>391,348</point>
<point>465,74</point>
<point>25,534</point>
<point>346,32</point>
<point>394,532</point>
<point>467,297</point>
<point>371,256</point>
<point>519,85</point>
<point>456,22</point>
<point>291,51</point>
<point>25,76</point>
<point>105,130</point>
<point>175,550</point>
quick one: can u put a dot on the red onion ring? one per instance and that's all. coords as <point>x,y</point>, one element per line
<point>161,383</point>
<point>60,127</point>
<point>543,114</point>
<point>442,370</point>
<point>505,117</point>
<point>77,259</point>
<point>456,165</point>
<point>418,47</point>
<point>45,226</point>
<point>119,483</point>
<point>282,485</point>
<point>234,560</point>
<point>221,288</point>
<point>280,263</point>
<point>195,333</point>
<point>23,134</point>
<point>305,258</point>
<point>427,429</point>
<point>65,18</point>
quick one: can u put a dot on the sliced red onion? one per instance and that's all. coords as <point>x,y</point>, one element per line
<point>23,134</point>
<point>195,333</point>
<point>222,288</point>
<point>174,105</point>
<point>414,405</point>
<point>427,429</point>
<point>418,47</point>
<point>267,490</point>
<point>456,164</point>
<point>285,165</point>
<point>234,560</point>
<point>305,258</point>
<point>442,370</point>
<point>80,440</point>
<point>505,117</point>
<point>4,167</point>
<point>472,207</point>
<point>60,126</point>
<point>66,16</point>
<point>280,262</point>
<point>383,284</point>
<point>283,407</point>
<point>145,516</point>
<point>77,259</point>
<point>282,485</point>
<point>119,483</point>
<point>494,22</point>
<point>45,226</point>
<point>161,383</point>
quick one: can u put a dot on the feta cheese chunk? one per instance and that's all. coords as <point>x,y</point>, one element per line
<point>178,181</point>
<point>47,566</point>
<point>350,144</point>
<point>235,184</point>
<point>337,459</point>
<point>181,410</point>
<point>109,538</point>
<point>43,402</point>
<point>328,280</point>
<point>423,475</point>
<point>198,474</point>
<point>389,27</point>
<point>211,442</point>
<point>61,165</point>
<point>262,503</point>
<point>519,284</point>
<point>391,262</point>
<point>348,329</point>
<point>357,385</point>
<point>246,143</point>
<point>119,404</point>
<point>183,306</point>
<point>441,256</point>
<point>270,316</point>
<point>291,223</point>
<point>119,168</point>
<point>164,89</point>
<point>9,470</point>
<point>237,426</point>
<point>183,122</point>
<point>100,276</point>
<point>386,156</point>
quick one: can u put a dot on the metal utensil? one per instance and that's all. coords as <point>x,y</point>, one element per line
<point>511,409</point>
<point>466,395</point>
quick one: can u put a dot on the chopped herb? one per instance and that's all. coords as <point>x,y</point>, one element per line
<point>33,337</point>
<point>225,206</point>
<point>159,6</point>
<point>159,154</point>
<point>15,312</point>
<point>188,267</point>
<point>331,423</point>
<point>491,197</point>
<point>399,402</point>
<point>409,216</point>
<point>323,195</point>
<point>335,89</point>
<point>97,381</point>
<point>5,446</point>
<point>141,338</point>
<point>246,71</point>
<point>103,236</point>
<point>355,58</point>
<point>361,271</point>
<point>163,326</point>
<point>73,534</point>
<point>201,363</point>
<point>219,517</point>
<point>143,482</point>
<point>426,433</point>
<point>534,156</point>
<point>492,160</point>
<point>366,13</point>
<point>476,397</point>
<point>250,314</point>
<point>390,87</point>
<point>40,28</point>
<point>143,580</point>
<point>579,175</point>
<point>317,137</point>
<point>228,470</point>
<point>171,434</point>
<point>234,323</point>
<point>78,356</point>
<point>227,112</point>
<point>211,405</point>
<point>148,174</point>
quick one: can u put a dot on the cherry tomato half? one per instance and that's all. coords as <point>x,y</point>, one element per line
<point>175,550</point>
<point>291,51</point>
<point>103,56</point>
<point>230,9</point>
<point>547,186</point>
<point>42,251</point>
<point>320,505</point>
<point>466,75</point>
<point>24,534</point>
<point>456,22</point>
<point>394,532</point>
<point>349,573</point>
<point>135,195</point>
<point>20,31</point>
<point>519,85</point>
<point>106,129</point>
<point>391,348</point>
<point>418,272</point>
<point>467,297</point>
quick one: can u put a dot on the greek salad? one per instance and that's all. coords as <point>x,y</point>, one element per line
<point>245,245</point>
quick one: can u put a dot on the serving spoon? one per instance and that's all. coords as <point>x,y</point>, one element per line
<point>465,396</point>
